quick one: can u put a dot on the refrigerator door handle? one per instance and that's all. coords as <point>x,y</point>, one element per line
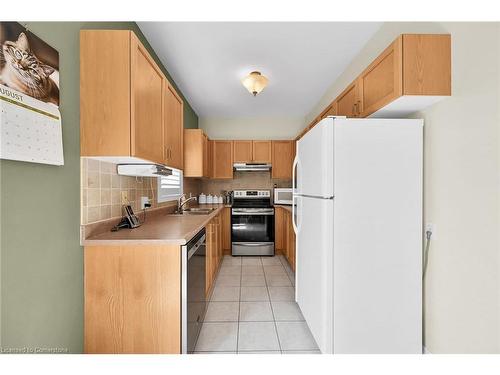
<point>294,190</point>
<point>295,224</point>
<point>294,167</point>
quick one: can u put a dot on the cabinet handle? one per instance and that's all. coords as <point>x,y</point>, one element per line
<point>358,106</point>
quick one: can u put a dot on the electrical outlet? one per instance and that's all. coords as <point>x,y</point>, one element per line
<point>124,196</point>
<point>144,201</point>
<point>430,227</point>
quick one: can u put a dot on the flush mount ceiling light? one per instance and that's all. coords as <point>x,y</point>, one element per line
<point>255,82</point>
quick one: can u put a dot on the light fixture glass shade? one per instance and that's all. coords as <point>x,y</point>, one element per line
<point>254,82</point>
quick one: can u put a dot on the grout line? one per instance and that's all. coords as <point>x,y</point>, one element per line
<point>254,321</point>
<point>239,309</point>
<point>272,311</point>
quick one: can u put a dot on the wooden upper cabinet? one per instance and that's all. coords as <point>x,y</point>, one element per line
<point>413,72</point>
<point>195,153</point>
<point>210,158</point>
<point>173,128</point>
<point>128,109</point>
<point>146,86</point>
<point>252,151</point>
<point>242,151</point>
<point>381,82</point>
<point>407,74</point>
<point>348,102</point>
<point>427,64</point>
<point>206,155</point>
<point>283,153</point>
<point>261,151</point>
<point>104,72</point>
<point>223,159</point>
<point>331,110</point>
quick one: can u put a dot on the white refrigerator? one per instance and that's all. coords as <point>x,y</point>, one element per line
<point>357,215</point>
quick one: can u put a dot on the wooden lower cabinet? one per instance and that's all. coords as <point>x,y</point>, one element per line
<point>214,251</point>
<point>284,236</point>
<point>279,229</point>
<point>290,240</point>
<point>226,230</point>
<point>132,299</point>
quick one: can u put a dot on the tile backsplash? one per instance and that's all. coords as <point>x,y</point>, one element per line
<point>243,180</point>
<point>101,190</point>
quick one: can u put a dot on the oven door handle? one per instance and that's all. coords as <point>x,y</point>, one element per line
<point>251,244</point>
<point>267,213</point>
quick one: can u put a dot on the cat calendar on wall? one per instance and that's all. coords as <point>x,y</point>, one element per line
<point>30,120</point>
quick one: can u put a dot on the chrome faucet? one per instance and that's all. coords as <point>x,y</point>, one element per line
<point>182,201</point>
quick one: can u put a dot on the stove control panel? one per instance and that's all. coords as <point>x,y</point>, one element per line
<point>252,193</point>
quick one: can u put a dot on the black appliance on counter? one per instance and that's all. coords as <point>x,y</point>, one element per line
<point>252,223</point>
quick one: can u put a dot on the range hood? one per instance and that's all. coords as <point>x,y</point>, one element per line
<point>252,167</point>
<point>143,170</point>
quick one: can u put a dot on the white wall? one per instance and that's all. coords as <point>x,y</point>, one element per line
<point>252,127</point>
<point>461,188</point>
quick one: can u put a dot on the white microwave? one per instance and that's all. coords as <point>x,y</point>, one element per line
<point>283,196</point>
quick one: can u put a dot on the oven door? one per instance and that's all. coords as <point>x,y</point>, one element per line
<point>252,231</point>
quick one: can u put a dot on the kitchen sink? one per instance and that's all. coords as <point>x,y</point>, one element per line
<point>197,211</point>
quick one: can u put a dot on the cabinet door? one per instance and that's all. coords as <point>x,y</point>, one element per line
<point>208,258</point>
<point>278,228</point>
<point>104,72</point>
<point>286,223</point>
<point>261,151</point>
<point>381,82</point>
<point>223,159</point>
<point>289,252</point>
<point>348,102</point>
<point>226,228</point>
<point>172,128</point>
<point>220,250</point>
<point>242,151</point>
<point>206,169</point>
<point>193,153</point>
<point>283,153</point>
<point>331,110</point>
<point>146,104</point>
<point>210,158</point>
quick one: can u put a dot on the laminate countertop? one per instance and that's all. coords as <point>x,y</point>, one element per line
<point>166,229</point>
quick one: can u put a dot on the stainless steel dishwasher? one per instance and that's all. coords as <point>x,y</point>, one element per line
<point>194,303</point>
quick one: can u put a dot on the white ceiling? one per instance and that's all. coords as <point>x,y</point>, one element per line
<point>301,60</point>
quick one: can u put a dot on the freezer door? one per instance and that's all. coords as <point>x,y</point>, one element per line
<point>315,161</point>
<point>314,267</point>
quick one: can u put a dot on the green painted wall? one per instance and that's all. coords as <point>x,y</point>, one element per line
<point>41,259</point>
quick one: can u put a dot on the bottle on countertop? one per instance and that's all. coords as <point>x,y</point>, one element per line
<point>202,199</point>
<point>210,199</point>
<point>221,200</point>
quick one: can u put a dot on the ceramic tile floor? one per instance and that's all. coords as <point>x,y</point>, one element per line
<point>253,310</point>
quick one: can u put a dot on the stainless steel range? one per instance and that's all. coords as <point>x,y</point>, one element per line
<point>252,223</point>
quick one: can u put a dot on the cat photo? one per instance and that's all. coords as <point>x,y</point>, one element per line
<point>28,64</point>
